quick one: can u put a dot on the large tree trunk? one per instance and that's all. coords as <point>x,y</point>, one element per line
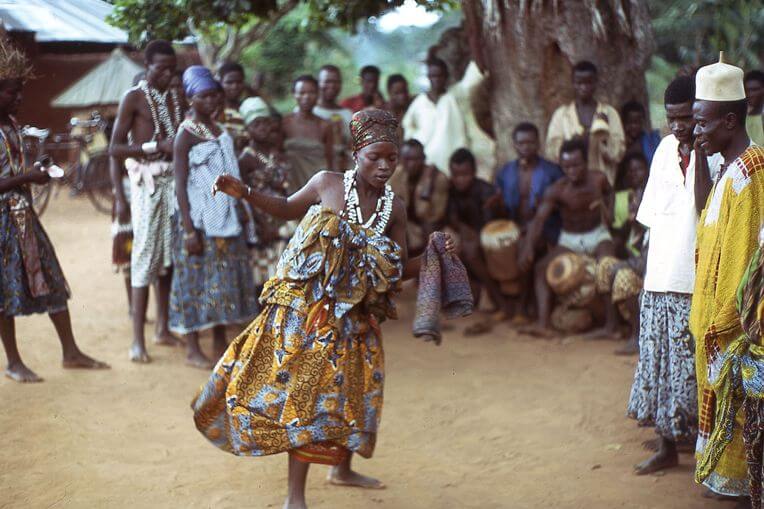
<point>528,47</point>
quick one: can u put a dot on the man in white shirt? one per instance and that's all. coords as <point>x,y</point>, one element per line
<point>435,120</point>
<point>664,393</point>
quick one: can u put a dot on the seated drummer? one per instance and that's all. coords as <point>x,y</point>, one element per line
<point>584,200</point>
<point>521,186</point>
<point>469,209</point>
<point>424,190</point>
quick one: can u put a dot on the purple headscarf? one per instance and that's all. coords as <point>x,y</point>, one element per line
<point>198,79</point>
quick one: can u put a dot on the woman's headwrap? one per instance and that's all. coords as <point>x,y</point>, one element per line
<point>253,108</point>
<point>14,64</point>
<point>198,79</point>
<point>371,126</point>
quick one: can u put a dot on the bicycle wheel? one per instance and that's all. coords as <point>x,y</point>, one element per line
<point>40,197</point>
<point>96,182</point>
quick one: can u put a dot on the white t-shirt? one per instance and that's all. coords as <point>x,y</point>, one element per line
<point>668,210</point>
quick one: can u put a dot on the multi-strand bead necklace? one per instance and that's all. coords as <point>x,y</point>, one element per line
<point>160,114</point>
<point>380,218</point>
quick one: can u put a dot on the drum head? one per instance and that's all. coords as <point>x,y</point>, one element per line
<point>565,273</point>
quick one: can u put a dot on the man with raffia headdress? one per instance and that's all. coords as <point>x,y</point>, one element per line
<point>148,118</point>
<point>306,377</point>
<point>727,236</point>
<point>31,280</point>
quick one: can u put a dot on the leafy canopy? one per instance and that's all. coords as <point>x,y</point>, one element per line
<point>176,19</point>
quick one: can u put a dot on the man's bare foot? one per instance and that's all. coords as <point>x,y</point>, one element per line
<point>139,354</point>
<point>167,339</point>
<point>659,461</point>
<point>81,361</point>
<point>18,372</point>
<point>538,331</point>
<point>199,360</point>
<point>289,504</point>
<point>353,478</point>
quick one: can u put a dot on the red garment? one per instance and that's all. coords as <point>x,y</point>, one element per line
<point>354,103</point>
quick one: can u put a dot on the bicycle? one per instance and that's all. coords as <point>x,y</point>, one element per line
<point>86,166</point>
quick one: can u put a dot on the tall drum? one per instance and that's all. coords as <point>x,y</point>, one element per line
<point>499,240</point>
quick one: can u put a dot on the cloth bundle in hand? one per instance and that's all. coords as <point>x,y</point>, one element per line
<point>443,286</point>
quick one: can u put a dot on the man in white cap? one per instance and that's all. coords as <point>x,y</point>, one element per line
<point>727,236</point>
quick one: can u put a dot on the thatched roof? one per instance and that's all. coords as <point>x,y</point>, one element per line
<point>103,85</point>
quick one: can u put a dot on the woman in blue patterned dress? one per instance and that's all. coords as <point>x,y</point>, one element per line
<point>212,284</point>
<point>31,280</point>
<point>306,377</point>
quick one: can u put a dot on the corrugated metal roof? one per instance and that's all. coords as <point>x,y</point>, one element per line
<point>62,20</point>
<point>104,84</point>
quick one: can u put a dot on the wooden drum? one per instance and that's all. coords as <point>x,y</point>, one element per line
<point>499,240</point>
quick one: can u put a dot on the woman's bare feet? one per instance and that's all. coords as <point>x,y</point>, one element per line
<point>139,354</point>
<point>18,372</point>
<point>346,477</point>
<point>79,360</point>
<point>199,360</point>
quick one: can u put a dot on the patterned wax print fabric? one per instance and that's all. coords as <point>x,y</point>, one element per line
<point>664,393</point>
<point>151,212</point>
<point>309,370</point>
<point>31,279</point>
<point>727,237</point>
<point>214,288</point>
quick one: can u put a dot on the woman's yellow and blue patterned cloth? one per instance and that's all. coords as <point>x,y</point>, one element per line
<point>310,368</point>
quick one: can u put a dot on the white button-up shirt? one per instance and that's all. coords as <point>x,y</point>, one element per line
<point>668,210</point>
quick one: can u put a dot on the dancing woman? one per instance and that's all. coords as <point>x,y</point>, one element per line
<point>306,377</point>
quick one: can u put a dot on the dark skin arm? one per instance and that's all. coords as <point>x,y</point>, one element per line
<point>34,177</point>
<point>546,209</point>
<point>608,199</point>
<point>183,143</point>
<point>703,182</point>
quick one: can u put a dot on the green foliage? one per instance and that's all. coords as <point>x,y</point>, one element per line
<point>692,32</point>
<point>169,19</point>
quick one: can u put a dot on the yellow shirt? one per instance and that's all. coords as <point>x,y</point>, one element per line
<point>606,147</point>
<point>727,237</point>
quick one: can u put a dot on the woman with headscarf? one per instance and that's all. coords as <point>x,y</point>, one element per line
<point>212,282</point>
<point>266,169</point>
<point>306,377</point>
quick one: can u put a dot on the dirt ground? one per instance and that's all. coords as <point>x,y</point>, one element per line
<point>498,421</point>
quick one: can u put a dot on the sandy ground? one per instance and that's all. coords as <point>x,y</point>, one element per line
<point>499,421</point>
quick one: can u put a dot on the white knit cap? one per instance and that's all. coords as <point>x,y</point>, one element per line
<point>719,82</point>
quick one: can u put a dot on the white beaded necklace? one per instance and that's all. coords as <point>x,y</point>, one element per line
<point>160,115</point>
<point>199,129</point>
<point>381,216</point>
